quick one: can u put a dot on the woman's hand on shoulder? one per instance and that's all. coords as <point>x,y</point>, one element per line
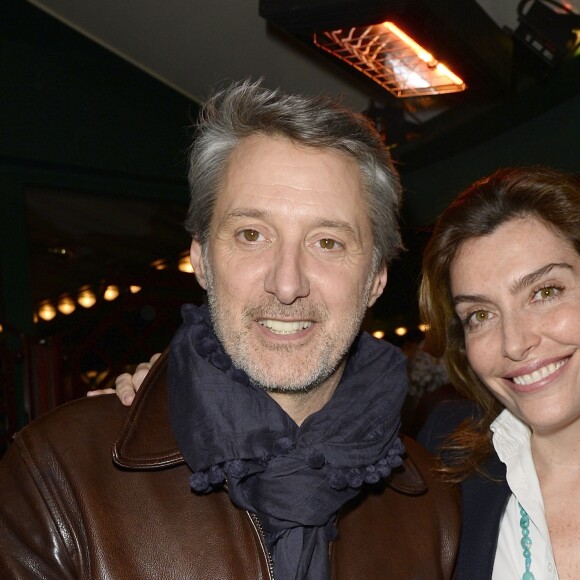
<point>127,384</point>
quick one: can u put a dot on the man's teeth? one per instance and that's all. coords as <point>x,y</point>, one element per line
<point>281,327</point>
<point>539,374</point>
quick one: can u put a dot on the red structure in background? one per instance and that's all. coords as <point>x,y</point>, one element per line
<point>8,413</point>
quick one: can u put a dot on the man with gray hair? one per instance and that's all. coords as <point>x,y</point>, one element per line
<point>264,443</point>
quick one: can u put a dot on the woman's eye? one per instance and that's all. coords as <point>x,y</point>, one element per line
<point>478,317</point>
<point>547,293</point>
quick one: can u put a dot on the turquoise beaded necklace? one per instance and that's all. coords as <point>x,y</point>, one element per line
<point>526,542</point>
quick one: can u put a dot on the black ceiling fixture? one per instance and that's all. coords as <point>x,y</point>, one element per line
<point>548,28</point>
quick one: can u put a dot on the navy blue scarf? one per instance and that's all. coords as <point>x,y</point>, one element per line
<point>294,478</point>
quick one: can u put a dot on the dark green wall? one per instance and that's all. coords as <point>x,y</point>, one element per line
<point>551,138</point>
<point>67,101</point>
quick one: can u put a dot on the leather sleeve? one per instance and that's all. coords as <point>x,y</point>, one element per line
<point>407,529</point>
<point>443,504</point>
<point>30,543</point>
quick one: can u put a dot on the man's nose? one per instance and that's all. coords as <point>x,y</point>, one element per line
<point>286,277</point>
<point>520,335</point>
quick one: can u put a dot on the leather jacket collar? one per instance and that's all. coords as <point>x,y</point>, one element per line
<point>145,440</point>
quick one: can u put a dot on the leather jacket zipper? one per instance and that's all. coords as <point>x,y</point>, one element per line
<point>260,530</point>
<point>262,537</point>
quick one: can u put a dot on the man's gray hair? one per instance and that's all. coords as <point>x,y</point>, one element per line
<point>247,108</point>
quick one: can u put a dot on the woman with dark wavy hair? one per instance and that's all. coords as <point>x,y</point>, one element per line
<point>501,292</point>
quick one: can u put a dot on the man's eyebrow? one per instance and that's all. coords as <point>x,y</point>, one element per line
<point>338,225</point>
<point>238,213</point>
<point>241,212</point>
<point>531,278</point>
<point>520,284</point>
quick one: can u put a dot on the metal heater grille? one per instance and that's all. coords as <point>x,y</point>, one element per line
<point>392,59</point>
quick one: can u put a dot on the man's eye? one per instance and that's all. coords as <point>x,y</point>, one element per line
<point>328,243</point>
<point>251,235</point>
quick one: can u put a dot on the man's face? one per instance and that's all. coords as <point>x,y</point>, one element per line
<point>289,263</point>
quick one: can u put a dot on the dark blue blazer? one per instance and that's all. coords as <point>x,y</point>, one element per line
<point>482,500</point>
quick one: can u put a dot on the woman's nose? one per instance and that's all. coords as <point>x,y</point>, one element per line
<point>519,336</point>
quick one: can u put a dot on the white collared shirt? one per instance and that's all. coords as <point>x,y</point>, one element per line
<point>511,440</point>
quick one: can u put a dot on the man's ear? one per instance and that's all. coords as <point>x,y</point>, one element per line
<point>379,284</point>
<point>196,257</point>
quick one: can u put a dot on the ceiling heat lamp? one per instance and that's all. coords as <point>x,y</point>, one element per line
<point>411,48</point>
<point>391,58</point>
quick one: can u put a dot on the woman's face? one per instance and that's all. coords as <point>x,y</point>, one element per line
<point>517,292</point>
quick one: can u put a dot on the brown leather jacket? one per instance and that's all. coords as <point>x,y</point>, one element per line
<point>71,509</point>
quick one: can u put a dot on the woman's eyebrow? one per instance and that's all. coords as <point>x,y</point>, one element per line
<point>470,298</point>
<point>520,284</point>
<point>531,278</point>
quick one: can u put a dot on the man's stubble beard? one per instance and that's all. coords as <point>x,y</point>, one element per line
<point>323,361</point>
